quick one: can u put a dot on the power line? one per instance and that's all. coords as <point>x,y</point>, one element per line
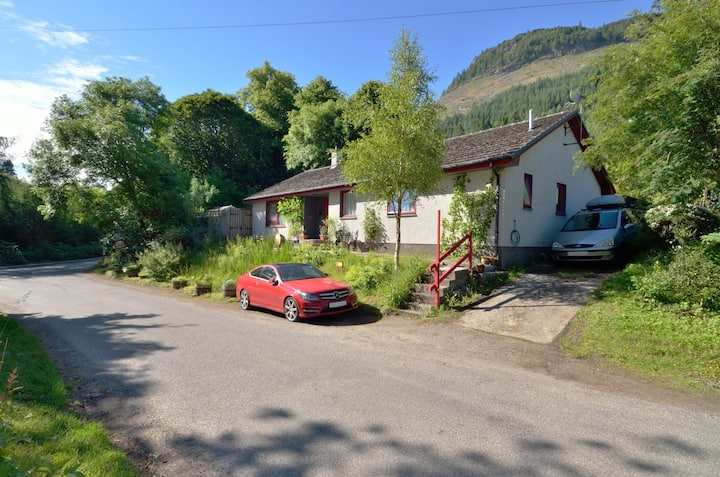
<point>328,22</point>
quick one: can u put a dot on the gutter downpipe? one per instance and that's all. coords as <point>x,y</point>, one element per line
<point>497,210</point>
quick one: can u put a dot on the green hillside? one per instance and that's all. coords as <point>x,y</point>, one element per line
<point>535,70</point>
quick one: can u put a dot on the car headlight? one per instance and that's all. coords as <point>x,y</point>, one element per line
<point>309,296</point>
<point>556,245</point>
<point>606,243</point>
<point>351,291</point>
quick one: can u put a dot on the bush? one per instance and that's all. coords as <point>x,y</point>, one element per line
<point>161,261</point>
<point>10,254</point>
<point>691,280</point>
<point>369,274</point>
<point>679,224</point>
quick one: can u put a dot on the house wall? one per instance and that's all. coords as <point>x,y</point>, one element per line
<point>550,161</point>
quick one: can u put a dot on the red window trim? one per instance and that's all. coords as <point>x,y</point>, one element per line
<point>343,193</point>
<point>274,220</point>
<point>528,192</point>
<point>561,204</point>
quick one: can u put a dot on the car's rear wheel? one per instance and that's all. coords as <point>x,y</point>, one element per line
<point>291,309</point>
<point>244,299</point>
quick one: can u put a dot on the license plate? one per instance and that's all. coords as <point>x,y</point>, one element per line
<point>337,304</point>
<point>579,253</point>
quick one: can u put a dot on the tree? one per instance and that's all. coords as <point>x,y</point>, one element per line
<point>109,139</point>
<point>655,116</point>
<point>315,130</point>
<point>316,126</point>
<point>217,142</point>
<point>399,156</point>
<point>270,97</point>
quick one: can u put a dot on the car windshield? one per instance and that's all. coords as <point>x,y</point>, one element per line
<point>592,220</point>
<point>298,271</point>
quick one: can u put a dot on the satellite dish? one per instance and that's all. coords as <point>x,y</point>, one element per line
<point>576,97</point>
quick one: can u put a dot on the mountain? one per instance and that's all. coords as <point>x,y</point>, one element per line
<point>534,70</point>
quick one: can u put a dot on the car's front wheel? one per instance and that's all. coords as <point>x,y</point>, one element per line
<point>244,299</point>
<point>291,309</point>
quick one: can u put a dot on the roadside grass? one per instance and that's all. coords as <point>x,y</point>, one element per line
<point>670,344</point>
<point>39,434</point>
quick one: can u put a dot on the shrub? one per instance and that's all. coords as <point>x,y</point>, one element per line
<point>161,261</point>
<point>370,273</point>
<point>691,279</point>
<point>681,224</point>
<point>373,228</point>
<point>10,254</point>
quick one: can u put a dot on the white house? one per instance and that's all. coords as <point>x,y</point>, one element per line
<point>532,165</point>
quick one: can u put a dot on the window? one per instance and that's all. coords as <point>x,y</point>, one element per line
<point>348,205</point>
<point>560,199</point>
<point>527,192</point>
<point>407,207</point>
<point>272,216</point>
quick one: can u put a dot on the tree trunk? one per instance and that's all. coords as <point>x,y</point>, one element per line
<point>398,216</point>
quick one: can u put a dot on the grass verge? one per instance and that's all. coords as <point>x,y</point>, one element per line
<point>667,344</point>
<point>39,435</point>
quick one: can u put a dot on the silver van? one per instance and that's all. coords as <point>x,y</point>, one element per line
<point>597,233</point>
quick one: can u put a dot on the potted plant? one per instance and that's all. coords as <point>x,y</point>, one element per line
<point>228,288</point>
<point>203,285</point>
<point>323,232</point>
<point>179,282</point>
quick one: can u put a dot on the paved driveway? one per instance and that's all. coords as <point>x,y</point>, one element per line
<point>535,307</point>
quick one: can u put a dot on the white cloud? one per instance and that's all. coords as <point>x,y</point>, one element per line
<point>26,104</point>
<point>64,38</point>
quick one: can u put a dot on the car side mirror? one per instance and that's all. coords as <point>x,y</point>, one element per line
<point>629,226</point>
<point>272,281</point>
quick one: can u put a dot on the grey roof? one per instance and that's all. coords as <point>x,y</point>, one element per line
<point>322,178</point>
<point>505,142</point>
<point>468,151</point>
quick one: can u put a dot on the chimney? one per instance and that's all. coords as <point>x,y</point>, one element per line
<point>531,122</point>
<point>334,159</point>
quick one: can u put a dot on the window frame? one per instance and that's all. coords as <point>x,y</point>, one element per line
<point>561,199</point>
<point>343,195</point>
<point>275,219</point>
<point>410,212</point>
<point>527,191</point>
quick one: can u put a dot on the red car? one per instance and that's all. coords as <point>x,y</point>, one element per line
<point>297,290</point>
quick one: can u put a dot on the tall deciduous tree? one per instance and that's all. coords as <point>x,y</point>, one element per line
<point>269,97</point>
<point>656,115</point>
<point>216,141</point>
<point>316,126</point>
<point>109,138</point>
<point>399,157</point>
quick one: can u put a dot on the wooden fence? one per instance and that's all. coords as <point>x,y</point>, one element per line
<point>229,221</point>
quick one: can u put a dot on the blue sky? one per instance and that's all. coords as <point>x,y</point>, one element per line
<point>50,47</point>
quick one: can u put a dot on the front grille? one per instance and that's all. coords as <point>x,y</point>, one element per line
<point>334,295</point>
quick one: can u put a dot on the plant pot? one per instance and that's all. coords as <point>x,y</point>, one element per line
<point>201,289</point>
<point>229,292</point>
<point>178,284</point>
<point>132,272</point>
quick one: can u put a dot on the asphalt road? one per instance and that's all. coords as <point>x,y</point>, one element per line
<point>207,389</point>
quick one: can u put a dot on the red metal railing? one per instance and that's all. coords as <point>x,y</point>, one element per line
<point>434,267</point>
